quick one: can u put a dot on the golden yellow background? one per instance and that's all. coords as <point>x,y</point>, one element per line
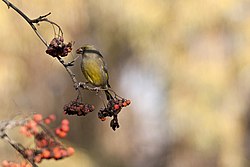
<point>184,64</point>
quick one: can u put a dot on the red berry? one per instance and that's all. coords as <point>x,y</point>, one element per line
<point>65,122</point>
<point>46,153</point>
<point>37,117</point>
<point>5,163</point>
<point>25,164</point>
<point>62,134</point>
<point>103,119</point>
<point>34,130</point>
<point>43,143</point>
<point>47,121</point>
<point>70,151</point>
<point>28,152</point>
<point>124,104</point>
<point>57,153</point>
<point>58,131</point>
<point>65,128</point>
<point>31,124</point>
<point>23,129</point>
<point>64,153</point>
<point>38,158</point>
<point>116,106</point>
<point>128,102</point>
<point>28,134</point>
<point>52,117</point>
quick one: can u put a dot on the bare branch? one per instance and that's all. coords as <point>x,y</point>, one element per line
<point>4,126</point>
<point>30,22</point>
<point>19,148</point>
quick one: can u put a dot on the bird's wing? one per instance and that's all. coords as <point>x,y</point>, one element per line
<point>104,65</point>
<point>105,69</point>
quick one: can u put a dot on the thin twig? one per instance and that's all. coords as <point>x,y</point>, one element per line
<point>60,33</point>
<point>71,74</point>
<point>40,19</point>
<point>4,126</point>
<point>30,22</point>
<point>19,148</point>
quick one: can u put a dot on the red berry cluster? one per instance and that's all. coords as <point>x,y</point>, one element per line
<point>63,129</point>
<point>112,109</point>
<point>46,144</point>
<point>57,47</point>
<point>6,163</point>
<point>56,152</point>
<point>31,127</point>
<point>78,108</point>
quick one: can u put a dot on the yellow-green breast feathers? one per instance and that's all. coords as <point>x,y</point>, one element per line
<point>93,66</point>
<point>93,70</point>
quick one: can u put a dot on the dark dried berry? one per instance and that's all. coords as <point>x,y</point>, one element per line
<point>78,108</point>
<point>114,123</point>
<point>112,109</point>
<point>57,47</point>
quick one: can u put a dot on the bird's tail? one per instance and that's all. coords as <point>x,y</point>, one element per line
<point>108,95</point>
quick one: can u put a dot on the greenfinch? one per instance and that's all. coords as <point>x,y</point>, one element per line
<point>94,68</point>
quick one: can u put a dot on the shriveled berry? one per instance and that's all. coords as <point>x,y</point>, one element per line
<point>77,108</point>
<point>57,47</point>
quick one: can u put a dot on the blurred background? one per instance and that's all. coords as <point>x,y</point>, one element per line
<point>184,64</point>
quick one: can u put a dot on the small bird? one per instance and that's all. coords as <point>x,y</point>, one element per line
<point>94,68</point>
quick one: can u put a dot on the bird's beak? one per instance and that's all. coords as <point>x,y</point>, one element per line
<point>79,51</point>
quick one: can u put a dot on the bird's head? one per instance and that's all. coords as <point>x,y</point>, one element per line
<point>84,48</point>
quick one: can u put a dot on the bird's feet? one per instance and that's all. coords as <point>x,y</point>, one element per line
<point>96,89</point>
<point>82,85</point>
